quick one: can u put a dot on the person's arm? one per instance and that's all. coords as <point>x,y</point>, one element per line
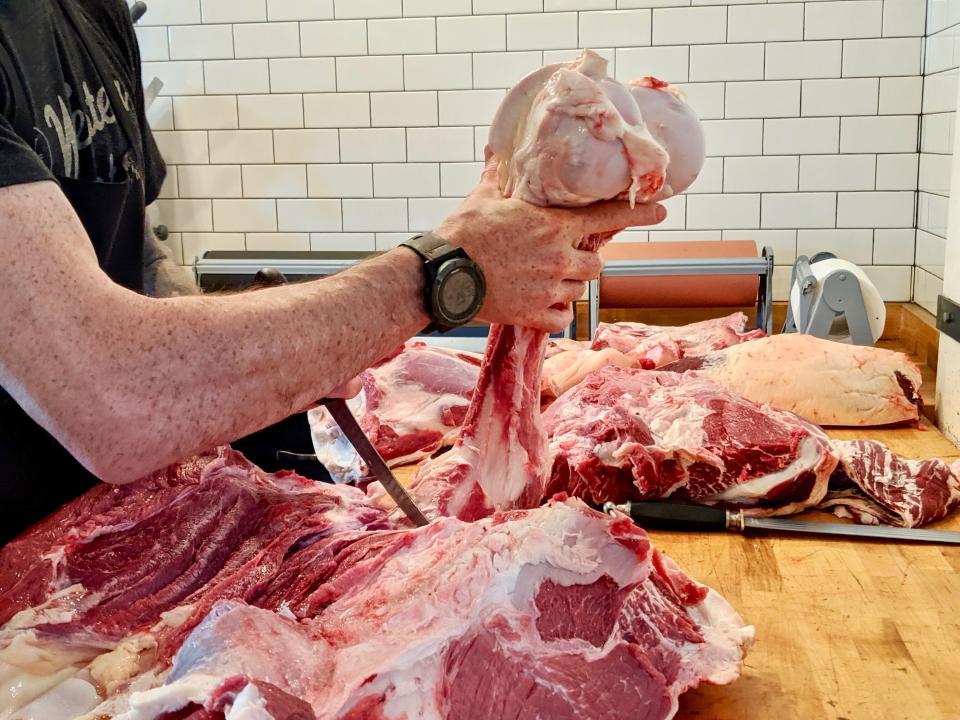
<point>162,277</point>
<point>129,384</point>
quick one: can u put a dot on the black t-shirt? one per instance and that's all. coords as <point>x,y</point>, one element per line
<point>57,122</point>
<point>56,118</point>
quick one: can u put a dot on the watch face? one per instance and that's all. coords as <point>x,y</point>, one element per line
<point>458,293</point>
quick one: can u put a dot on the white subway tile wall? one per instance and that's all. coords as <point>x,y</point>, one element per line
<point>938,107</point>
<point>348,124</point>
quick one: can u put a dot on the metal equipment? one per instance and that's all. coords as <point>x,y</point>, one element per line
<point>761,266</point>
<point>377,467</point>
<point>233,270</point>
<point>835,300</point>
<point>703,518</point>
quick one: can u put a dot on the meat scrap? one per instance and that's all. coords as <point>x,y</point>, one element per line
<point>412,404</point>
<point>872,485</point>
<point>568,362</point>
<point>340,613</point>
<point>639,435</point>
<point>825,382</point>
<point>653,346</point>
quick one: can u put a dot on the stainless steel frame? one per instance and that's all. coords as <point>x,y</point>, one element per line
<point>761,266</point>
<point>235,270</point>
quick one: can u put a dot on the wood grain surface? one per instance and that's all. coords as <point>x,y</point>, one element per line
<point>846,629</point>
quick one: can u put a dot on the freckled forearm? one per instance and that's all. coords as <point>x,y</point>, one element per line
<point>129,383</point>
<point>203,371</point>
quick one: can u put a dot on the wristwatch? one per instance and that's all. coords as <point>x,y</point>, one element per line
<point>454,285</point>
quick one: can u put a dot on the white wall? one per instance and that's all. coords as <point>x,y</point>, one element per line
<point>295,124</point>
<point>948,367</point>
<point>942,58</point>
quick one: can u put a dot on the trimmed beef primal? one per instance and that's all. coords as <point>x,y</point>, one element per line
<point>411,405</point>
<point>653,346</point>
<point>640,434</point>
<point>825,382</point>
<point>277,598</point>
<point>872,485</point>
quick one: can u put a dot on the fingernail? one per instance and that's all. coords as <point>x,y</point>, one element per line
<point>661,213</point>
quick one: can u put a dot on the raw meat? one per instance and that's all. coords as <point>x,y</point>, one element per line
<point>411,405</point>
<point>131,569</point>
<point>291,600</point>
<point>825,382</point>
<point>495,619</point>
<point>569,135</point>
<point>872,485</point>
<point>638,434</point>
<point>565,135</point>
<point>654,346</point>
<point>568,362</point>
<point>499,461</point>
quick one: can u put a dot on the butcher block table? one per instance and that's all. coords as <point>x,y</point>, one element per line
<point>846,629</point>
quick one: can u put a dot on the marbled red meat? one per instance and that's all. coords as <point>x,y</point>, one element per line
<point>873,485</point>
<point>640,434</point>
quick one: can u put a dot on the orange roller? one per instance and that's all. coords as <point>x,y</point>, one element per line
<point>679,290</point>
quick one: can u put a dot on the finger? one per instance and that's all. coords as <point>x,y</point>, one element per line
<point>596,241</point>
<point>348,389</point>
<point>553,320</point>
<point>584,265</point>
<point>616,215</point>
<point>571,291</point>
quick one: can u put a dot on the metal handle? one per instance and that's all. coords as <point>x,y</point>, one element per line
<point>673,516</point>
<point>137,11</point>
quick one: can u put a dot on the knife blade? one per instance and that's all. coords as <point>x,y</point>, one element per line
<point>704,518</point>
<point>378,468</point>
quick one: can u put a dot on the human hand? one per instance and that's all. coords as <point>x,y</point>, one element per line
<point>530,255</point>
<point>347,390</point>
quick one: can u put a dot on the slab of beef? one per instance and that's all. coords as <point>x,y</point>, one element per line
<point>872,485</point>
<point>301,601</point>
<point>559,612</point>
<point>653,346</point>
<point>639,434</point>
<point>411,405</point>
<point>119,576</point>
<point>825,382</point>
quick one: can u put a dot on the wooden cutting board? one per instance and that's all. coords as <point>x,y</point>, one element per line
<point>846,629</point>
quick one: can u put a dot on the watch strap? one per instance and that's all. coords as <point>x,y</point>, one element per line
<point>431,247</point>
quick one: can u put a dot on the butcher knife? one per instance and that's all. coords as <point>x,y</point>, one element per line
<point>378,468</point>
<point>703,518</point>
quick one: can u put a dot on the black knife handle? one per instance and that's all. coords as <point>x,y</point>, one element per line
<point>676,516</point>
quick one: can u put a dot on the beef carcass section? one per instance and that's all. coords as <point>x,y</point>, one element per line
<point>412,404</point>
<point>825,382</point>
<point>482,620</point>
<point>639,434</point>
<point>653,346</point>
<point>290,600</point>
<point>873,485</point>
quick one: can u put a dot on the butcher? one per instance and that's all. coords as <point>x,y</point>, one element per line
<point>111,366</point>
